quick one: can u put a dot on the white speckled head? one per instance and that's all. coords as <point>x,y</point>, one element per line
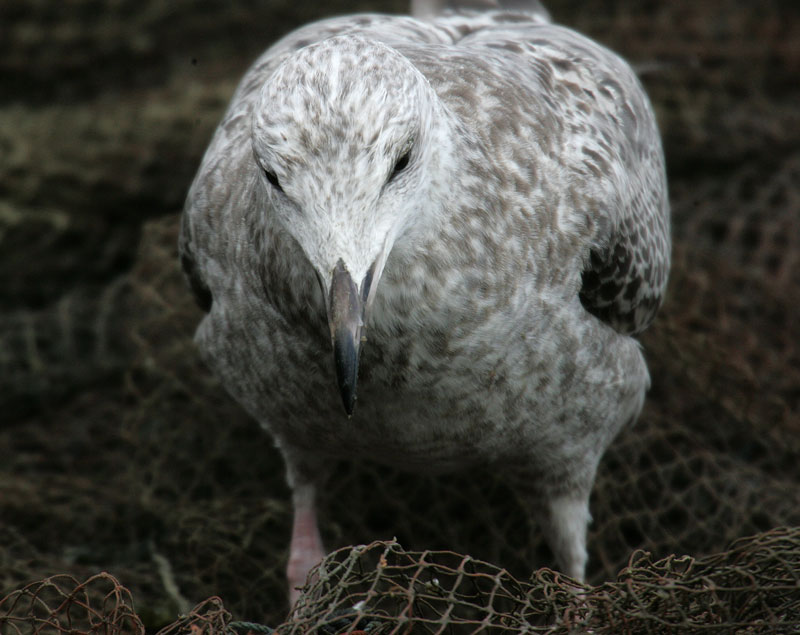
<point>343,133</point>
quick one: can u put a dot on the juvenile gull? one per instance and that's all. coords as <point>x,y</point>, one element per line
<point>471,212</point>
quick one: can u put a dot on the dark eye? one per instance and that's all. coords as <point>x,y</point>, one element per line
<point>401,164</point>
<point>273,180</point>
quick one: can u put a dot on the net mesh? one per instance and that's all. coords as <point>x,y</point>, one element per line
<point>394,590</point>
<point>60,604</point>
<point>121,453</point>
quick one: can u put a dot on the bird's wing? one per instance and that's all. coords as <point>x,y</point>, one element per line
<point>619,162</point>
<point>589,115</point>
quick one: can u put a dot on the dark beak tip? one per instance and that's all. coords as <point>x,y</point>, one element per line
<point>348,399</point>
<point>349,407</point>
<point>345,357</point>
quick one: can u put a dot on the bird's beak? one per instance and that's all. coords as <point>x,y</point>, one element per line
<point>345,318</point>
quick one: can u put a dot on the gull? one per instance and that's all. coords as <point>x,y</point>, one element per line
<point>429,242</point>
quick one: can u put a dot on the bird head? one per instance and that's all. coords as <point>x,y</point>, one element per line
<point>344,139</point>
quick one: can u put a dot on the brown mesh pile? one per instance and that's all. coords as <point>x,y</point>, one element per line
<point>754,583</point>
<point>120,454</point>
<point>61,604</point>
<point>381,588</point>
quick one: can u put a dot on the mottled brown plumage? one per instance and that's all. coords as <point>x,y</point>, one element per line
<point>481,195</point>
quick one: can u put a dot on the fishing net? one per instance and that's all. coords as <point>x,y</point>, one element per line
<point>381,588</point>
<point>61,604</point>
<point>120,453</point>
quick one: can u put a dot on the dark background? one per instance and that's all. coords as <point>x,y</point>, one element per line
<point>118,452</point>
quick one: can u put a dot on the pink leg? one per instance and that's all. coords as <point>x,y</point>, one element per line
<point>306,549</point>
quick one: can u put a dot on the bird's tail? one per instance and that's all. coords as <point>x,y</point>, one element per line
<point>432,8</point>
